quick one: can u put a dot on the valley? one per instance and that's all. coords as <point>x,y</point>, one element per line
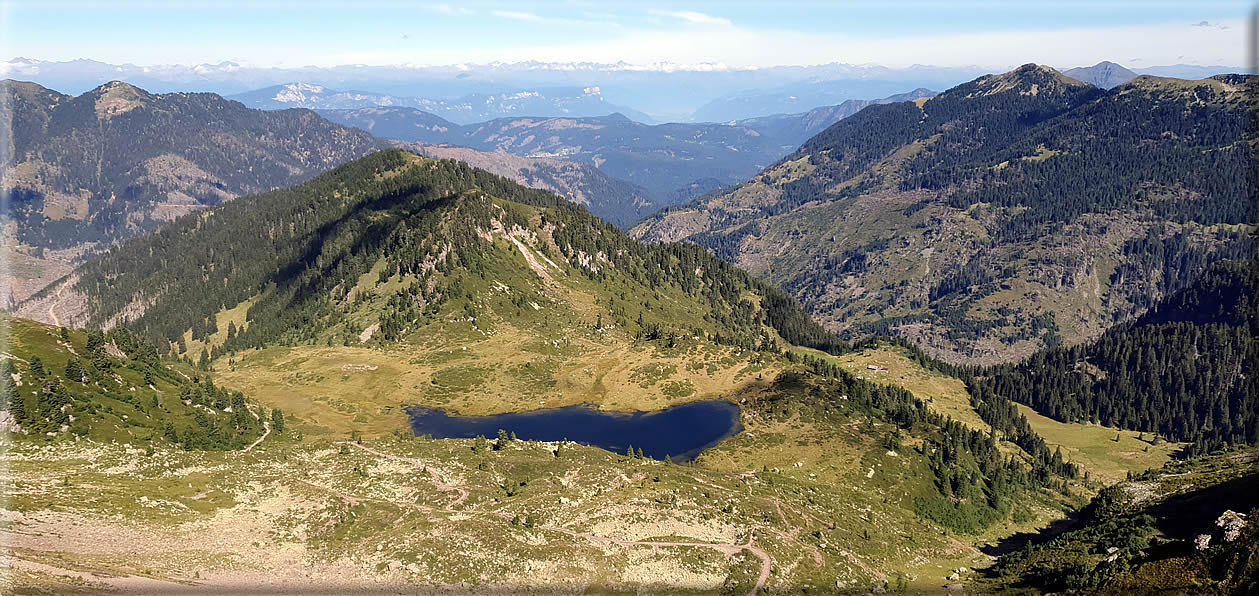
<point>672,302</point>
<point>831,483</point>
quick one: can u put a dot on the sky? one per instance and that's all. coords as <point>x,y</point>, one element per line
<point>732,33</point>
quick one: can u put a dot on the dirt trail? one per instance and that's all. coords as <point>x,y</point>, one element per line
<point>266,426</point>
<point>52,311</point>
<point>794,531</point>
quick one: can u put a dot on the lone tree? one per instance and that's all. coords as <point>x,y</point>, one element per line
<point>502,440</point>
<point>74,370</point>
<point>277,420</point>
<point>37,367</point>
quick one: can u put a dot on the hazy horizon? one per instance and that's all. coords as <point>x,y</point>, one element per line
<point>732,35</point>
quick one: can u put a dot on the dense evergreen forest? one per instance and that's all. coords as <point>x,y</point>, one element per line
<point>1182,371</point>
<point>300,252</point>
<point>1066,149</point>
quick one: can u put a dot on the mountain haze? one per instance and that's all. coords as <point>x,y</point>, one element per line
<point>469,109</point>
<point>665,159</point>
<point>1104,74</point>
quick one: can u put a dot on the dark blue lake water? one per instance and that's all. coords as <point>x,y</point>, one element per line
<point>680,432</point>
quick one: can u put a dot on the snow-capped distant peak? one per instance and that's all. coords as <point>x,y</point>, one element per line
<point>591,91</point>
<point>296,92</point>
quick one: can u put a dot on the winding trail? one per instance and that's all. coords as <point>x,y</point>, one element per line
<point>725,548</point>
<point>266,431</point>
<point>52,310</point>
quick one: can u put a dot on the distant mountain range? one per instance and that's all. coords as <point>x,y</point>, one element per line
<point>669,160</point>
<point>714,93</point>
<point>661,158</point>
<point>479,107</point>
<point>1012,212</point>
<point>616,201</point>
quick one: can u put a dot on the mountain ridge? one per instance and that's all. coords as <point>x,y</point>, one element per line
<point>117,161</point>
<point>961,201</point>
<point>663,158</point>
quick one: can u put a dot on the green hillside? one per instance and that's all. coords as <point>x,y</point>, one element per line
<point>1188,528</point>
<point>394,241</point>
<point>58,383</point>
<point>1009,213</point>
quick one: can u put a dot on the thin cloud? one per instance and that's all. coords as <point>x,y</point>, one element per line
<point>529,17</point>
<point>447,9</point>
<point>516,15</point>
<point>691,16</point>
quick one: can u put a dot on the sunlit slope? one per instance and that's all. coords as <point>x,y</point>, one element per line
<point>65,384</point>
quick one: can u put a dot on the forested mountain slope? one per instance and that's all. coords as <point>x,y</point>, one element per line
<point>1182,372</point>
<point>85,172</point>
<point>790,130</point>
<point>1008,213</point>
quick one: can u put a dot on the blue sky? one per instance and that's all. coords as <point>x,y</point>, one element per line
<point>735,33</point>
